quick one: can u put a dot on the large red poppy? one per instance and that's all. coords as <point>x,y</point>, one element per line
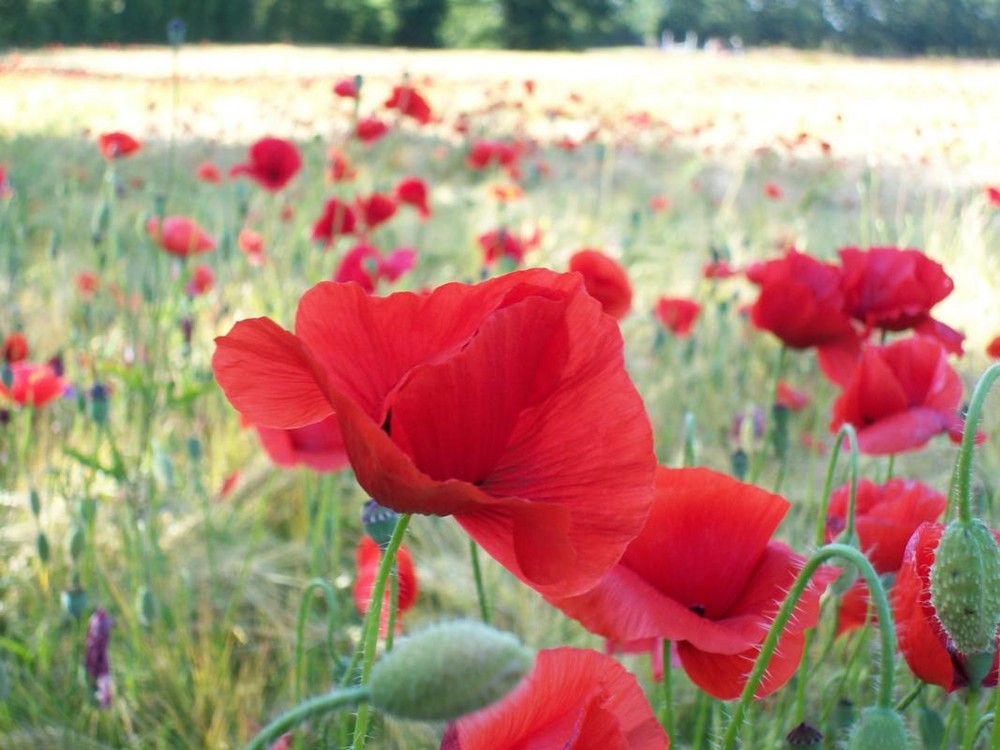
<point>505,404</point>
<point>273,163</point>
<point>894,289</point>
<point>606,280</point>
<point>899,396</point>
<point>117,145</point>
<point>886,517</point>
<point>705,573</point>
<point>367,557</point>
<point>409,102</point>
<point>928,650</point>
<point>800,301</point>
<point>319,446</point>
<point>572,698</point>
<point>32,384</point>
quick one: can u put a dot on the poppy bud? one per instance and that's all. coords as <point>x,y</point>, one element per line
<point>74,601</point>
<point>448,670</point>
<point>965,586</point>
<point>804,735</point>
<point>36,502</point>
<point>176,32</point>
<point>99,404</point>
<point>77,541</point>
<point>42,546</point>
<point>7,376</point>
<point>879,729</point>
<point>379,522</point>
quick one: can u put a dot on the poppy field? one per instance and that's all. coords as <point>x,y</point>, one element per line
<point>487,400</point>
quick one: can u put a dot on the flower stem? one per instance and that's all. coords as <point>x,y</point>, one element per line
<point>995,731</point>
<point>970,725</point>
<point>911,696</point>
<point>886,630</point>
<point>961,493</point>
<point>852,437</point>
<point>316,584</point>
<point>477,573</point>
<point>667,697</point>
<point>339,698</point>
<point>373,619</point>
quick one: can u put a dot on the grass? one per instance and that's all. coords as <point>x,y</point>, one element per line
<point>205,589</point>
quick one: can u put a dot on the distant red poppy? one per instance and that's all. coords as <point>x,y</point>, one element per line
<point>340,168</point>
<point>87,283</point>
<point>337,219</point>
<point>542,423</point>
<point>409,102</point>
<point>15,348</point>
<point>606,281</point>
<point>496,153</point>
<point>572,698</point>
<point>346,88</point>
<point>791,398</point>
<point>202,280</point>
<point>117,145</point>
<point>375,209</point>
<point>886,517</point>
<point>273,163</point>
<point>678,315</point>
<point>899,396</point>
<point>319,446</point>
<point>800,301</point>
<point>413,191</point>
<point>370,129</point>
<point>367,557</point>
<point>772,190</point>
<point>208,172</point>
<point>179,235</point>
<point>718,269</point>
<point>993,348</point>
<point>251,243</point>
<point>660,203</point>
<point>6,190</point>
<point>500,243</point>
<point>929,652</point>
<point>33,384</point>
<point>705,573</point>
<point>506,192</point>
<point>894,289</point>
<point>993,195</point>
<point>853,610</point>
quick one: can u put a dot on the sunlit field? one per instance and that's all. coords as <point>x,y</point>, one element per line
<point>184,557</point>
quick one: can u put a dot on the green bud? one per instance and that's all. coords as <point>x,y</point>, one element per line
<point>965,586</point>
<point>36,502</point>
<point>77,541</point>
<point>448,670</point>
<point>42,546</point>
<point>74,601</point>
<point>879,729</point>
<point>379,522</point>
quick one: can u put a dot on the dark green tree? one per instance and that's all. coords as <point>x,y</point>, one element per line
<point>418,22</point>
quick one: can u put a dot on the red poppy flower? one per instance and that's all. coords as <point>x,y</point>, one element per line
<point>413,192</point>
<point>117,145</point>
<point>337,219</point>
<point>993,195</point>
<point>6,190</point>
<point>718,269</point>
<point>486,153</point>
<point>87,283</point>
<point>853,611</point>
<point>893,289</point>
<point>319,446</point>
<point>33,385</point>
<point>15,348</point>
<point>791,398</point>
<point>346,88</point>
<point>678,315</point>
<point>899,396</point>
<point>202,280</point>
<point>340,166</point>
<point>772,190</point>
<point>499,243</point>
<point>659,203</point>
<point>704,573</point>
<point>993,348</point>
<point>397,263</point>
<point>367,558</point>
<point>505,404</point>
<point>370,129</point>
<point>885,518</point>
<point>364,265</point>
<point>376,209</point>
<point>409,102</point>
<point>273,163</point>
<point>606,281</point>
<point>208,172</point>
<point>928,650</point>
<point>251,243</point>
<point>800,301</point>
<point>571,698</point>
<point>179,235</point>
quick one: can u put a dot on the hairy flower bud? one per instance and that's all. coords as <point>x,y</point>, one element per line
<point>879,729</point>
<point>448,670</point>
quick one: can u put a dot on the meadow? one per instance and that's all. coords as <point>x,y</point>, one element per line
<point>228,556</point>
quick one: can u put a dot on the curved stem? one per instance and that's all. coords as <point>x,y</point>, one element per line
<point>316,584</point>
<point>886,630</point>
<point>961,492</point>
<point>373,619</point>
<point>907,699</point>
<point>847,431</point>
<point>339,698</point>
<point>477,573</point>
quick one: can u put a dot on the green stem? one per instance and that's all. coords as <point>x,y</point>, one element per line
<point>886,630</point>
<point>970,725</point>
<point>701,720</point>
<point>393,607</point>
<point>961,493</point>
<point>907,699</point>
<point>477,573</point>
<point>757,464</point>
<point>852,437</point>
<point>689,438</point>
<point>316,584</point>
<point>800,682</point>
<point>373,619</point>
<point>995,731</point>
<point>340,698</point>
<point>666,696</point>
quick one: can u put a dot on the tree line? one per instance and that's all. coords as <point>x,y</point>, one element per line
<point>892,27</point>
